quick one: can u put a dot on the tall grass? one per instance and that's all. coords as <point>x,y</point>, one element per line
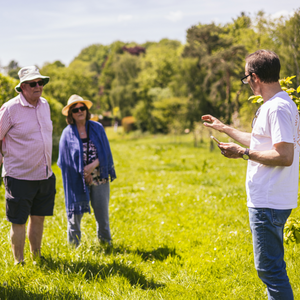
<point>180,230</point>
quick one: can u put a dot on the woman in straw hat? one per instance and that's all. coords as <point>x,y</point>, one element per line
<point>86,163</point>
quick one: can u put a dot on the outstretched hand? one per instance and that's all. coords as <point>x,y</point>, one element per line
<point>213,123</point>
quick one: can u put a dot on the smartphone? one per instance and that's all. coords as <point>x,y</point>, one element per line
<point>216,140</point>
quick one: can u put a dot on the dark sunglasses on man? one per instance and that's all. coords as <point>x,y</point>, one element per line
<point>77,109</point>
<point>34,83</point>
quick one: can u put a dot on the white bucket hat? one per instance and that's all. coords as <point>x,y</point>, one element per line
<point>30,73</point>
<point>73,100</point>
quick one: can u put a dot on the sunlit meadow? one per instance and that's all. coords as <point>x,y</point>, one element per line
<point>180,230</point>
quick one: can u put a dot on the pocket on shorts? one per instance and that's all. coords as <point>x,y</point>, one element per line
<point>12,203</point>
<point>12,206</point>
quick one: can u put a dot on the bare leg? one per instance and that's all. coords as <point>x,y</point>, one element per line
<point>17,235</point>
<point>35,234</point>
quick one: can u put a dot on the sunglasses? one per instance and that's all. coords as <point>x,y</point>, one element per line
<point>34,83</point>
<point>77,109</point>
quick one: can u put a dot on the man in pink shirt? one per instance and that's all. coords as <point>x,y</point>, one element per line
<point>26,146</point>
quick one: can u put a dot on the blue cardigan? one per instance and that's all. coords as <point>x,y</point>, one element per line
<point>70,160</point>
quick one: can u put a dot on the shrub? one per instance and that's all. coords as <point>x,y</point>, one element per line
<point>128,124</point>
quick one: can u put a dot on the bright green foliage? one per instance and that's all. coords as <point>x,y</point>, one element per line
<point>159,65</point>
<point>168,112</point>
<point>108,73</point>
<point>13,69</point>
<point>292,231</point>
<point>96,55</point>
<point>158,68</point>
<point>264,35</point>
<point>242,32</point>
<point>188,83</point>
<point>180,230</point>
<point>222,61</point>
<point>66,81</point>
<point>285,85</point>
<point>7,88</point>
<point>123,88</point>
<point>256,99</point>
<point>288,33</point>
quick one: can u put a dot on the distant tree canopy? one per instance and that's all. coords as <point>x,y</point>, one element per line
<point>166,84</point>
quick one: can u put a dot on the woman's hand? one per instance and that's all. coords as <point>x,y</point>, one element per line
<point>88,179</point>
<point>88,169</point>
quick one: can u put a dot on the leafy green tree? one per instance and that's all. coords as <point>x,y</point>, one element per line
<point>96,55</point>
<point>108,74</point>
<point>126,68</point>
<point>13,69</point>
<point>74,79</point>
<point>220,59</point>
<point>168,112</point>
<point>288,35</point>
<point>7,88</point>
<point>263,37</point>
<point>158,69</point>
<point>187,83</point>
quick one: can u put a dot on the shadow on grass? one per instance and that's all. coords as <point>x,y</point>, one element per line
<point>161,253</point>
<point>91,271</point>
<point>10,292</point>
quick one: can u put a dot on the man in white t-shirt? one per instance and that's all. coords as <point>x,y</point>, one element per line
<point>273,166</point>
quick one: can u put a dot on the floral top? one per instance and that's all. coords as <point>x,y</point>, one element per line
<point>92,157</point>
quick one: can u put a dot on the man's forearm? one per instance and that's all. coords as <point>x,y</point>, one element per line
<point>282,155</point>
<point>241,137</point>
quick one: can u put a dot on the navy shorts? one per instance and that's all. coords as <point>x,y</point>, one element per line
<point>28,197</point>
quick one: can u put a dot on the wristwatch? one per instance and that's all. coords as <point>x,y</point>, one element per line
<point>246,154</point>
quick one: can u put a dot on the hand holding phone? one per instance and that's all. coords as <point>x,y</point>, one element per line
<point>215,139</point>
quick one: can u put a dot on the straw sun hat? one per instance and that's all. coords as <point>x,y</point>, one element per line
<point>30,73</point>
<point>73,100</point>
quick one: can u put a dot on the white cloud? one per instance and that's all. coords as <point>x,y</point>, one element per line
<point>122,18</point>
<point>282,13</point>
<point>174,16</point>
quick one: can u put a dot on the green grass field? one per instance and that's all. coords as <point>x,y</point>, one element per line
<point>180,230</point>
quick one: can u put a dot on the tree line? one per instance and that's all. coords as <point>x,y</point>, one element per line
<point>167,84</point>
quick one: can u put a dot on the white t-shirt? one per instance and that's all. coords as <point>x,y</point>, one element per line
<point>269,186</point>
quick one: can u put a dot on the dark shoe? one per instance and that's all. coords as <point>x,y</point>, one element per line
<point>105,243</point>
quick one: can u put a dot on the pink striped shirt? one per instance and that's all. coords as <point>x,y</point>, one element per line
<point>26,134</point>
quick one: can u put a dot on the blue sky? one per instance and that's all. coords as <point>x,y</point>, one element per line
<point>35,32</point>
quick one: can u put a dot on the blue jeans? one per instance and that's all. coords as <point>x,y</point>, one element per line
<point>99,196</point>
<point>267,234</point>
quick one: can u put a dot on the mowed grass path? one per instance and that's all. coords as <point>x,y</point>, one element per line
<point>180,230</point>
